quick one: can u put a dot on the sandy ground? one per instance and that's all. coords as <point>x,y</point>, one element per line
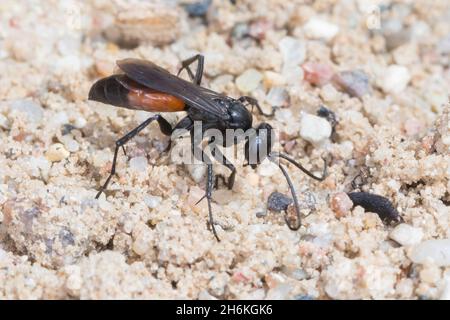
<point>381,66</point>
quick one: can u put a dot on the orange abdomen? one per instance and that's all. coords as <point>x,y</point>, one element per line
<point>154,101</point>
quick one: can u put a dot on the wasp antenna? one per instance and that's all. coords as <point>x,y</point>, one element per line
<point>294,196</point>
<point>298,165</point>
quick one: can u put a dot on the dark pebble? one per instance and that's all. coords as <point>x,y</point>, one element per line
<point>278,202</point>
<point>67,128</point>
<point>198,9</point>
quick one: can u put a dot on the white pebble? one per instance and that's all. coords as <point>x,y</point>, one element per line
<point>249,80</point>
<point>33,110</point>
<point>197,171</point>
<point>267,168</point>
<point>317,28</point>
<point>79,122</point>
<point>3,122</point>
<point>406,235</point>
<point>152,201</point>
<point>56,152</point>
<point>314,129</point>
<point>70,143</point>
<point>278,96</point>
<point>293,51</point>
<point>395,79</point>
<point>437,251</point>
<point>138,164</point>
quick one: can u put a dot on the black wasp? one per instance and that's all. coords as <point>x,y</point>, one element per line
<point>143,85</point>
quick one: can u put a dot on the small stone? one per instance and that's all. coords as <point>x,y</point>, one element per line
<point>197,171</point>
<point>259,27</point>
<point>280,292</point>
<point>267,168</point>
<point>152,201</point>
<point>205,295</point>
<point>314,129</point>
<point>33,110</point>
<point>436,250</point>
<point>240,30</point>
<point>56,152</point>
<point>317,28</point>
<point>293,51</point>
<point>355,83</point>
<point>198,8</point>
<point>329,94</point>
<point>396,39</point>
<point>70,143</point>
<point>74,280</point>
<point>395,79</point>
<point>3,122</point>
<point>317,74</point>
<point>249,80</point>
<point>341,204</point>
<point>412,127</point>
<point>278,202</point>
<point>406,235</point>
<point>139,164</point>
<point>278,97</point>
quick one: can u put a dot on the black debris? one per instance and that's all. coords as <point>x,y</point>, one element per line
<point>377,204</point>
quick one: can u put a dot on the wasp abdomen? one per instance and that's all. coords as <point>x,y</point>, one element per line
<point>120,91</point>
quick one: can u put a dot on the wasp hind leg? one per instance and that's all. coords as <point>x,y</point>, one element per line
<point>185,64</point>
<point>165,127</point>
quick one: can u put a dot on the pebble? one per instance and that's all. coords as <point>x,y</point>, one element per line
<point>341,204</point>
<point>329,94</point>
<point>267,168</point>
<point>3,122</point>
<point>249,80</point>
<point>56,152</point>
<point>437,250</point>
<point>406,235</point>
<point>70,143</point>
<point>152,201</point>
<point>139,164</point>
<point>355,83</point>
<point>259,27</point>
<point>280,292</point>
<point>317,28</point>
<point>198,9</point>
<point>197,171</point>
<point>293,51</point>
<point>278,202</point>
<point>278,96</point>
<point>395,79</point>
<point>314,129</point>
<point>317,74</point>
<point>34,110</point>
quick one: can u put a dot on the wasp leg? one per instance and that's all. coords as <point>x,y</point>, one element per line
<point>254,103</point>
<point>209,188</point>
<point>185,64</point>
<point>218,155</point>
<point>165,127</point>
<point>201,156</point>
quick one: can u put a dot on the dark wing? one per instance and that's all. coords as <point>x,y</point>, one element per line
<point>152,76</point>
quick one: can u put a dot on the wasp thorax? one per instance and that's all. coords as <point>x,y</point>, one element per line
<point>259,144</point>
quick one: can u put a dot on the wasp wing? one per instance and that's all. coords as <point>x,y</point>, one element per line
<point>152,76</point>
